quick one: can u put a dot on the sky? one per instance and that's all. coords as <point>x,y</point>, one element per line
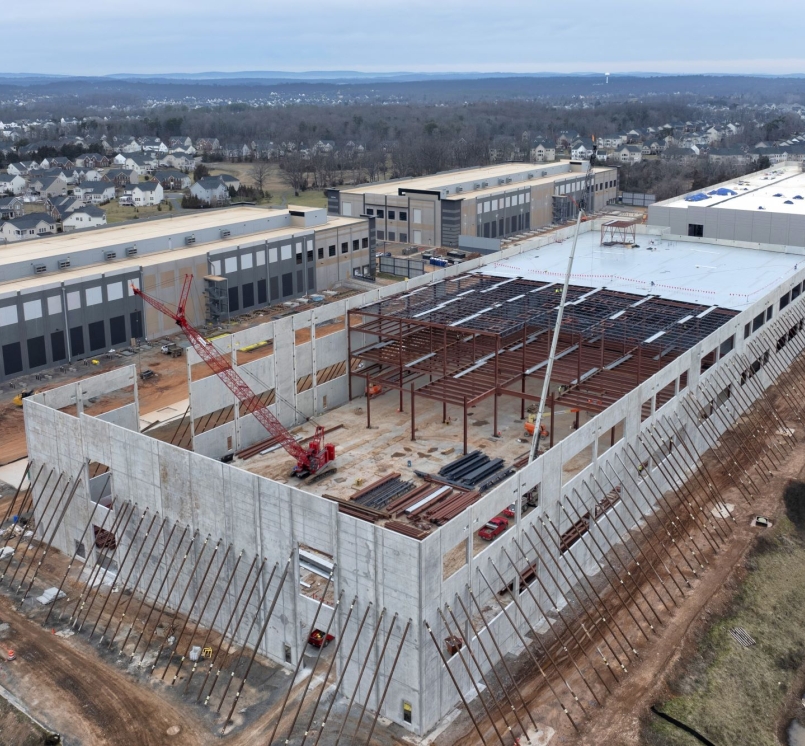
<point>154,36</point>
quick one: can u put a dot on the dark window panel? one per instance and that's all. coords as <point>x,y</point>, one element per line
<point>117,330</point>
<point>77,340</point>
<point>12,358</point>
<point>58,349</point>
<point>97,336</point>
<point>248,295</point>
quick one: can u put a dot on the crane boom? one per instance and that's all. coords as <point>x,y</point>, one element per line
<point>308,461</point>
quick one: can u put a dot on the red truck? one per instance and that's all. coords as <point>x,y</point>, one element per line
<point>494,527</point>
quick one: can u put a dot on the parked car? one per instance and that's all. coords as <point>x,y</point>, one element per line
<point>510,511</point>
<point>495,527</point>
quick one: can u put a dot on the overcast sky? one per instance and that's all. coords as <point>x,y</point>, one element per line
<point>150,36</point>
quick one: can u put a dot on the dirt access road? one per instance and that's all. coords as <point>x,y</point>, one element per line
<point>69,688</point>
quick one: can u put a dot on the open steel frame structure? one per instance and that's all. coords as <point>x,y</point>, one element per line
<point>472,337</point>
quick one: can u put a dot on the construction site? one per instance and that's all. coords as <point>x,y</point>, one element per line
<point>346,535</point>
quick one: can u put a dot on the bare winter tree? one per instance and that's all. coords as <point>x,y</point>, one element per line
<point>259,173</point>
<point>294,171</point>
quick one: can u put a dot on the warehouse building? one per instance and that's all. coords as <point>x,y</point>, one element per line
<point>660,360</point>
<point>70,296</point>
<point>766,207</point>
<point>489,203</point>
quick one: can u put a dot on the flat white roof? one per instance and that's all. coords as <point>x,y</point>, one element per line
<point>100,238</point>
<point>754,191</point>
<point>462,176</point>
<point>158,257</point>
<point>705,273</point>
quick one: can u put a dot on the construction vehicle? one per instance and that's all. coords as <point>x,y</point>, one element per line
<point>319,639</point>
<point>172,349</point>
<point>309,460</point>
<point>22,395</point>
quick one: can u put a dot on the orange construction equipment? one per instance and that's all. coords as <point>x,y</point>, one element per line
<point>543,431</point>
<point>374,390</point>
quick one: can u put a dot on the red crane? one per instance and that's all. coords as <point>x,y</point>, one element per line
<point>308,460</point>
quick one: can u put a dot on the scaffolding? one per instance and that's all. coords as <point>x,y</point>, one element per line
<point>472,337</point>
<point>618,232</point>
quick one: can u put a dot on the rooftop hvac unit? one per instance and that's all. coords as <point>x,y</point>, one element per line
<point>501,181</point>
<point>109,255</point>
<point>530,176</point>
<point>476,186</point>
<point>189,240</point>
<point>40,268</point>
<point>225,233</point>
<point>64,263</point>
<point>131,251</point>
<point>459,189</point>
<point>544,173</point>
<point>486,184</point>
<point>509,180</point>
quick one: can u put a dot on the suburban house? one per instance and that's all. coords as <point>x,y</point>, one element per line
<point>48,187</point>
<point>542,151</point>
<point>11,207</point>
<point>683,155</point>
<point>61,161</point>
<point>28,226</point>
<point>121,177</point>
<point>582,149</point>
<point>142,194</point>
<point>119,159</point>
<point>80,175</point>
<point>142,163</point>
<point>95,192</point>
<point>126,144</point>
<point>22,168</point>
<point>173,180</point>
<point>208,144</point>
<point>733,155</point>
<point>630,154</point>
<point>87,216</point>
<point>229,181</point>
<point>611,141</point>
<point>180,142</point>
<point>11,184</point>
<point>182,161</point>
<point>59,207</point>
<point>263,149</point>
<point>153,145</point>
<point>92,160</point>
<point>210,190</point>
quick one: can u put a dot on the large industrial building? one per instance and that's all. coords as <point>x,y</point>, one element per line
<point>661,352</point>
<point>492,202</point>
<point>68,297</point>
<point>766,207</point>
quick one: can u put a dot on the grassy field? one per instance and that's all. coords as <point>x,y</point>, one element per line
<point>116,213</point>
<point>735,695</point>
<point>279,190</point>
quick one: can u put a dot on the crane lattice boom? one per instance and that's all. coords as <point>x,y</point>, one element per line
<point>309,460</point>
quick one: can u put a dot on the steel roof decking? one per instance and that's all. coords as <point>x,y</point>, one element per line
<point>474,335</point>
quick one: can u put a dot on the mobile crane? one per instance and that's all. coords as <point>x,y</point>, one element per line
<point>308,460</point>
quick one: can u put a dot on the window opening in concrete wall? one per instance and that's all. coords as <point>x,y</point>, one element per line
<point>407,711</point>
<point>228,442</point>
<point>683,381</point>
<point>315,566</point>
<point>727,346</point>
<point>610,438</point>
<point>287,649</point>
<point>213,419</point>
<point>454,560</point>
<point>784,300</point>
<point>796,290</point>
<point>492,530</point>
<point>80,549</point>
<point>708,360</point>
<point>577,463</point>
<point>645,409</point>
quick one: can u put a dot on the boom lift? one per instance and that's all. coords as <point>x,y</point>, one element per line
<point>308,460</point>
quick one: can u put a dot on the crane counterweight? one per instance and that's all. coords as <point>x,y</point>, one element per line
<point>308,460</point>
